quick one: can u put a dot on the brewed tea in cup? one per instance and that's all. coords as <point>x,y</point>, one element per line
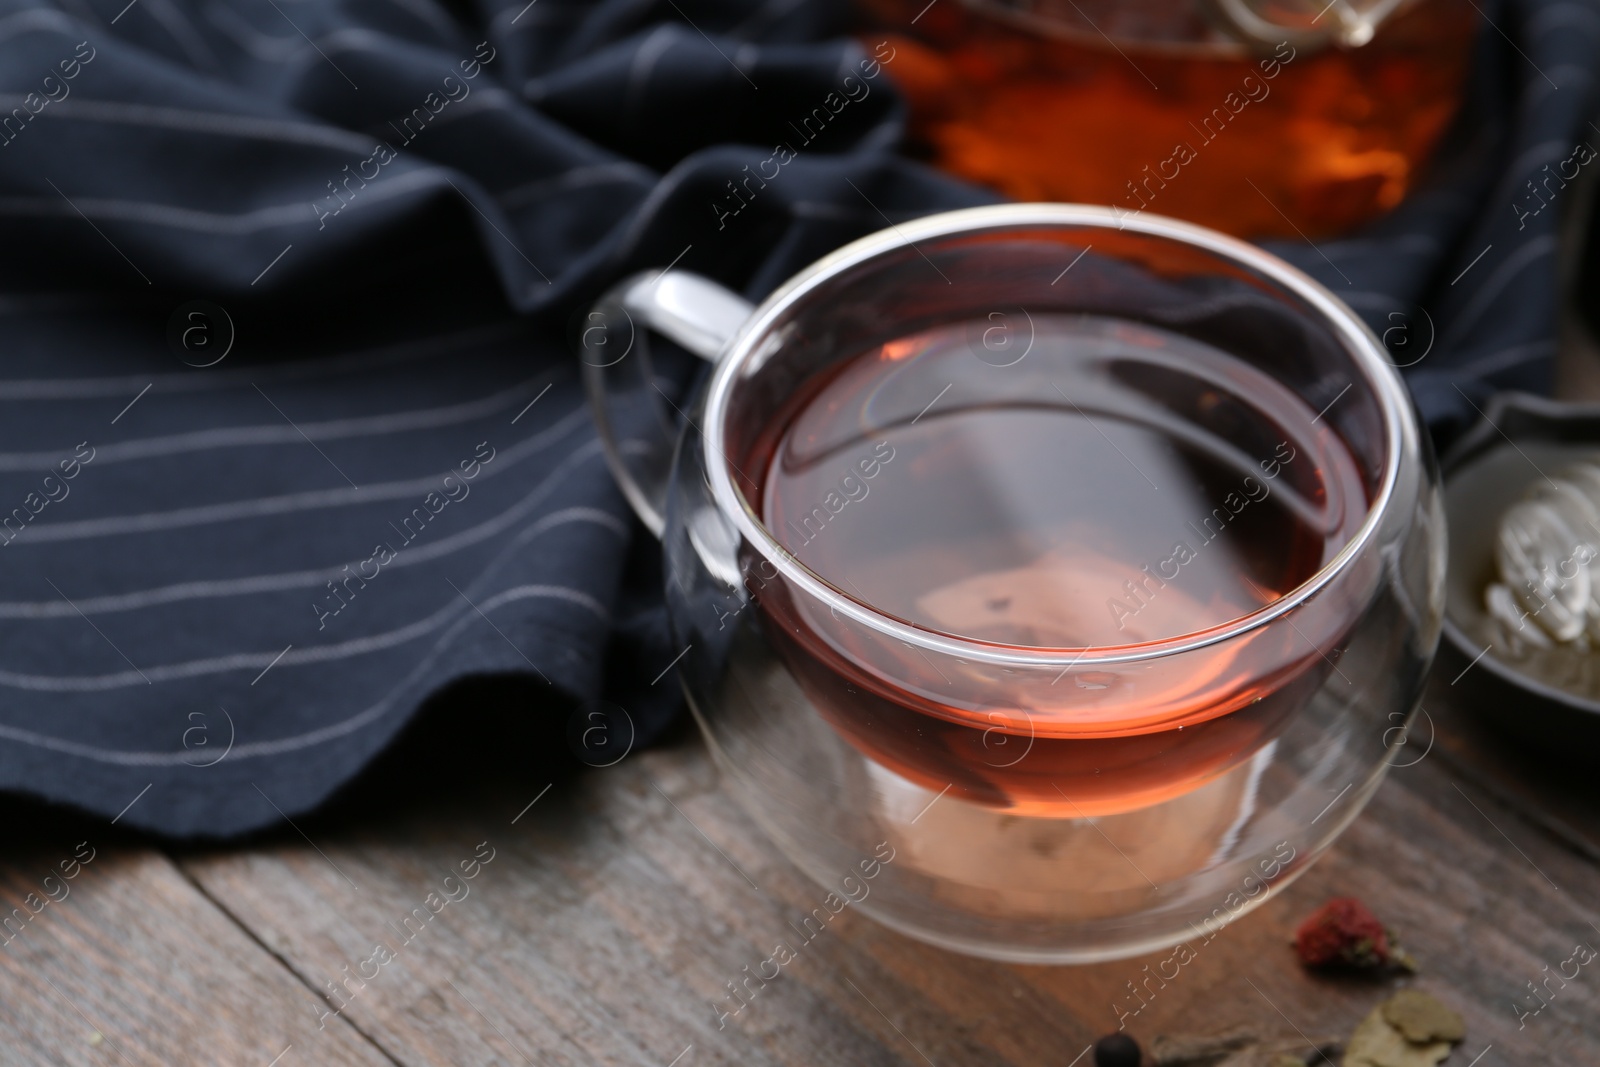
<point>1010,533</point>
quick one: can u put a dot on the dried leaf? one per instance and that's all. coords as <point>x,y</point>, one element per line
<point>1242,1048</point>
<point>1284,1052</point>
<point>1256,1056</point>
<point>1422,1018</point>
<point>1202,1051</point>
<point>1377,1044</point>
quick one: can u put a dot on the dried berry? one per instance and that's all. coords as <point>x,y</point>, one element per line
<point>1343,932</point>
<point>1117,1050</point>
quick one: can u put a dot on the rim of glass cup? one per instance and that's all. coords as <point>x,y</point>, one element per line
<point>1365,350</point>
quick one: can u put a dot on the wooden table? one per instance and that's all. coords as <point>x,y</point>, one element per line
<point>608,921</point>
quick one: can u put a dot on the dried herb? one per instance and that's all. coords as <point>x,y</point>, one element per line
<point>1410,1029</point>
<point>1344,932</point>
<point>1423,1018</point>
<point>1200,1051</point>
<point>1240,1048</point>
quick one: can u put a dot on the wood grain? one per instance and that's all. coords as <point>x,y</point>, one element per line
<point>618,906</point>
<point>131,964</point>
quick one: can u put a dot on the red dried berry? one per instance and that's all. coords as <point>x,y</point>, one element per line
<point>1343,932</point>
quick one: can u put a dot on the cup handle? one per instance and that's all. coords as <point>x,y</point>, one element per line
<point>698,314</point>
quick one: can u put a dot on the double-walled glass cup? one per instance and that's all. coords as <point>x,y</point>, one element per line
<point>1017,800</point>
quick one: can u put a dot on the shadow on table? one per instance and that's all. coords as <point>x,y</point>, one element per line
<point>1562,797</point>
<point>440,760</point>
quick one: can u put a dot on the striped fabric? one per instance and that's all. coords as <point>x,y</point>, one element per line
<point>290,434</point>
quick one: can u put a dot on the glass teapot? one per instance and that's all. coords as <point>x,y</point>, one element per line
<point>1262,118</point>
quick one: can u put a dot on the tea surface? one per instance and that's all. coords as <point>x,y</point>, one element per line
<point>1116,484</point>
<point>1064,482</point>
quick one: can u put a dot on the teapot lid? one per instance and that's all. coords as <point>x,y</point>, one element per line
<point>1304,23</point>
<point>1205,26</point>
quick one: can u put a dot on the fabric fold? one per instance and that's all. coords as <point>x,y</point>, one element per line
<point>292,287</point>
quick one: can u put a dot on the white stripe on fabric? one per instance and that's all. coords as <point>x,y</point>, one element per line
<point>815,209</point>
<point>258,749</point>
<point>85,14</point>
<point>178,28</point>
<point>773,10</point>
<point>357,646</point>
<point>651,49</point>
<point>213,123</point>
<point>1482,299</point>
<point>1532,159</point>
<point>1373,300</point>
<point>580,176</point>
<point>481,100</point>
<point>360,646</point>
<point>277,746</point>
<point>1413,244</point>
<point>316,499</point>
<point>645,213</point>
<point>1563,16</point>
<point>263,46</point>
<point>279,434</point>
<point>577,177</point>
<point>263,218</point>
<point>38,207</point>
<point>56,302</point>
<point>849,55</point>
<point>1571,77</point>
<point>241,377</point>
<point>1506,358</point>
<point>99,755</point>
<point>223,588</point>
<point>40,19</point>
<point>429,14</point>
<point>522,16</point>
<point>361,39</point>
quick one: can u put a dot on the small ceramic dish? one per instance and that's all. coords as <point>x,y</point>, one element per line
<point>1547,700</point>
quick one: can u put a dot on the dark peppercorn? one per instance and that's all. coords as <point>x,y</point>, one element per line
<point>1117,1050</point>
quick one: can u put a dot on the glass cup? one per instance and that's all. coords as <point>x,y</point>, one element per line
<point>1017,800</point>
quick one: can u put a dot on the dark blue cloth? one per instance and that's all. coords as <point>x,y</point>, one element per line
<point>1461,280</point>
<point>224,588</point>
